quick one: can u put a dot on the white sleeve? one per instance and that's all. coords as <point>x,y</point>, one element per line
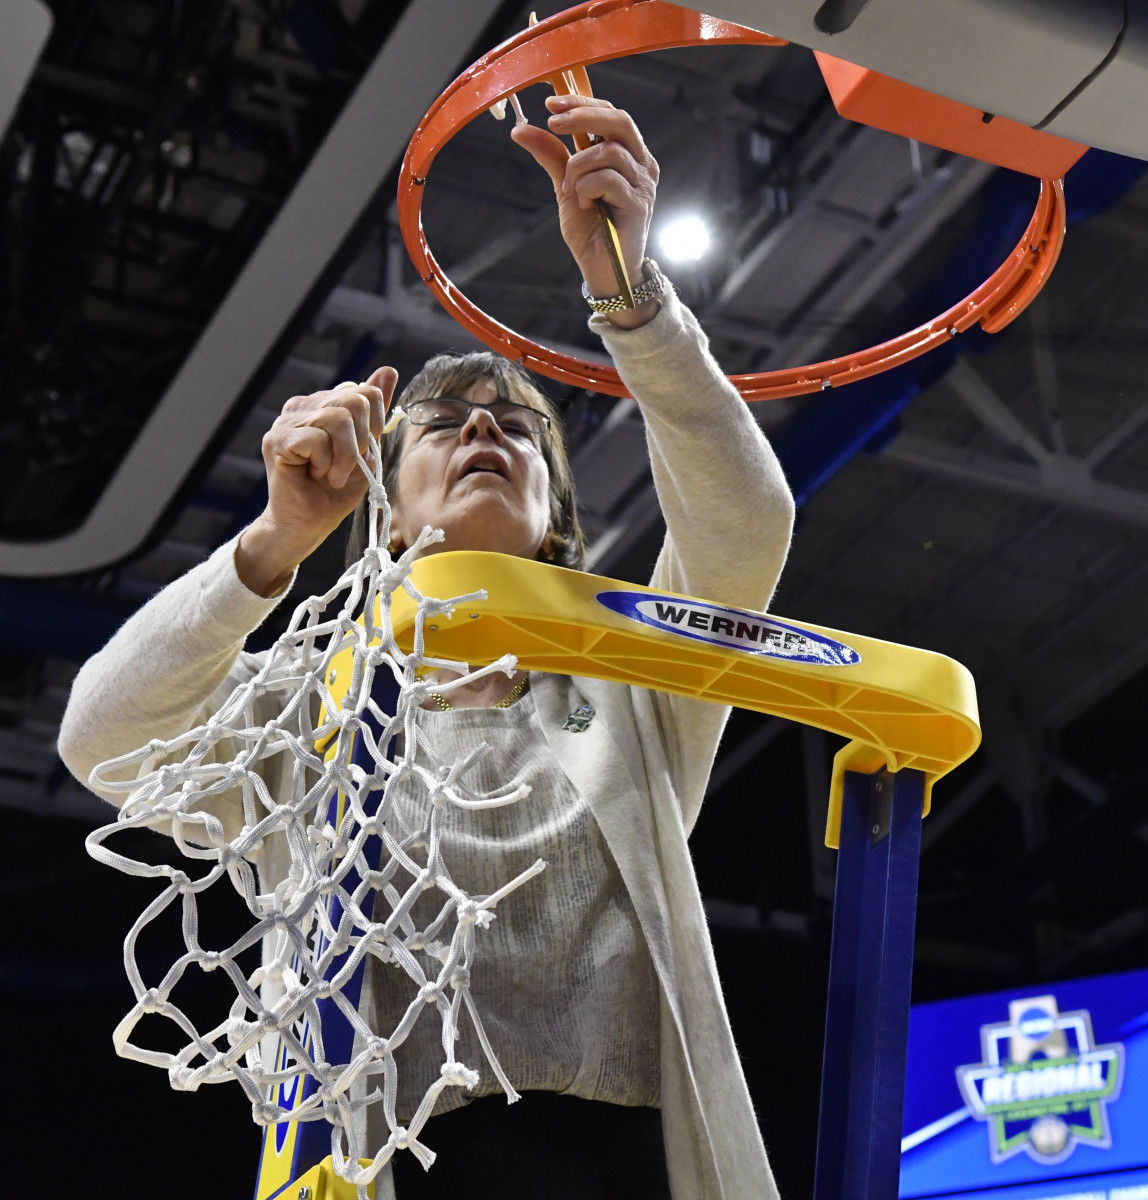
<point>728,509</point>
<point>166,670</point>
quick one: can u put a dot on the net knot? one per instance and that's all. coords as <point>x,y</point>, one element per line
<point>265,1112</point>
<point>470,912</point>
<point>460,979</point>
<point>376,654</point>
<point>392,579</point>
<point>183,1079</point>
<point>151,1001</point>
<point>438,950</point>
<point>458,1074</point>
<point>210,960</point>
<point>401,1138</point>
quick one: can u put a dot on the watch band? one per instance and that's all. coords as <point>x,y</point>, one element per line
<point>652,286</point>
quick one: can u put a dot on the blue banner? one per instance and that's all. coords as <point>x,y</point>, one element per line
<point>1030,1094</point>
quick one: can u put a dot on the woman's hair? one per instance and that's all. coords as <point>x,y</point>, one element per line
<point>452,374</point>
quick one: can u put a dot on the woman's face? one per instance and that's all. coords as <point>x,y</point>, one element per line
<point>486,489</point>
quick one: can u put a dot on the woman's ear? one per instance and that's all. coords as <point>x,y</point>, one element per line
<point>395,541</point>
<point>395,545</point>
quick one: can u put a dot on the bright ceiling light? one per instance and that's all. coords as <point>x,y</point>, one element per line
<point>685,239</point>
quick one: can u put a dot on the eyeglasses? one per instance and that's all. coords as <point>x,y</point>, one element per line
<point>447,413</point>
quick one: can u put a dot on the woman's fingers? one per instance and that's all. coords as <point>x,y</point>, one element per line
<point>329,431</point>
<point>346,426</point>
<point>312,454</point>
<point>615,167</point>
<point>590,115</point>
<point>302,446</point>
<point>357,405</point>
<point>546,149</point>
<point>608,158</point>
<point>382,380</point>
<point>609,186</point>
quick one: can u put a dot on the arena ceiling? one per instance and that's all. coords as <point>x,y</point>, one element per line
<point>199,223</point>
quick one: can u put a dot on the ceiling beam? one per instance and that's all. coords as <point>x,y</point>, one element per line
<point>735,760</point>
<point>1125,928</point>
<point>918,218</point>
<point>754,262</point>
<point>354,308</point>
<point>1115,441</point>
<point>368,138</point>
<point>27,27</point>
<point>982,400</point>
<point>946,813</point>
<point>1063,480</point>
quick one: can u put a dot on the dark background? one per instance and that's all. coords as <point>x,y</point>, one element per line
<point>133,203</point>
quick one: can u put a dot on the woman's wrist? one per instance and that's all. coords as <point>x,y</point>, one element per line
<point>634,318</point>
<point>603,286</point>
<point>266,557</point>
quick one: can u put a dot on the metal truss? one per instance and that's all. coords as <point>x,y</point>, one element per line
<point>152,149</point>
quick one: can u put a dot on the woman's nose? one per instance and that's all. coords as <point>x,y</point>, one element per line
<point>480,423</point>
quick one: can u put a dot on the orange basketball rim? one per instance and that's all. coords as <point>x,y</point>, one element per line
<point>609,29</point>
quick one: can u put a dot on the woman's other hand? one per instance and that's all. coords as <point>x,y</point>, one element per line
<point>618,169</point>
<point>313,476</point>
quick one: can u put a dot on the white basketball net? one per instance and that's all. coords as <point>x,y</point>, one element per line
<point>174,778</point>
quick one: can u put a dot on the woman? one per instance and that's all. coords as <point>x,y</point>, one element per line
<point>603,986</point>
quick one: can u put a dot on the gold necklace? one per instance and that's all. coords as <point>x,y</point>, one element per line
<point>505,702</point>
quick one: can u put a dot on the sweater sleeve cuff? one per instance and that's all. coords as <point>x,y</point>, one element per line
<point>647,340</point>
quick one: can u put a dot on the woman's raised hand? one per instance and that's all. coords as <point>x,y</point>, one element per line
<point>313,476</point>
<point>618,169</point>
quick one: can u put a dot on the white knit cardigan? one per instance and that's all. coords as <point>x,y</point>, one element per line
<point>642,764</point>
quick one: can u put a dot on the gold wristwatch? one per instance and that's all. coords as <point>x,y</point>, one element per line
<point>652,286</point>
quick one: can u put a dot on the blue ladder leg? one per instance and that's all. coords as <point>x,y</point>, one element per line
<point>870,977</point>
